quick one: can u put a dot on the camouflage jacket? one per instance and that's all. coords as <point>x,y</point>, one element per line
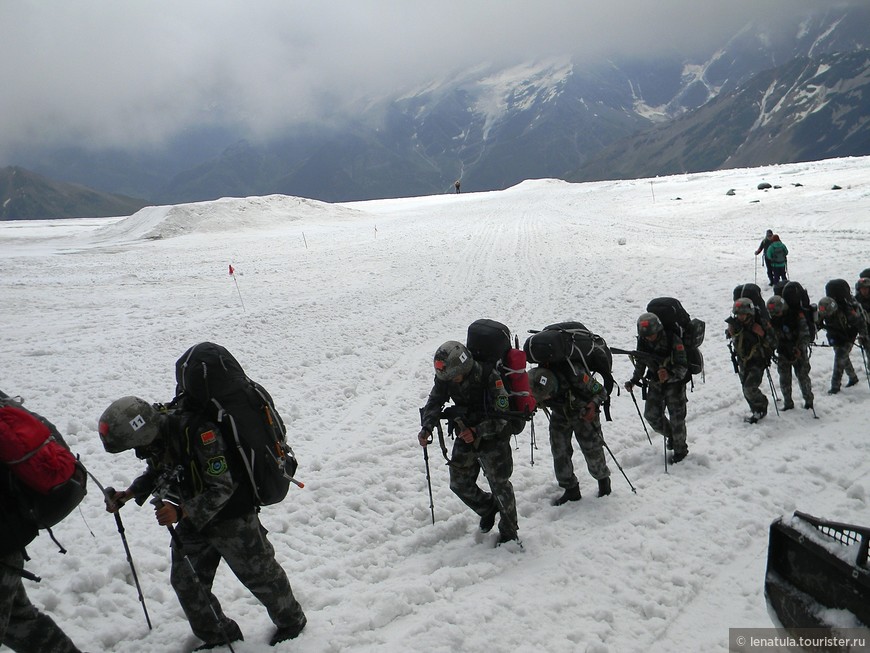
<point>792,335</point>
<point>207,487</point>
<point>844,326</point>
<point>668,352</point>
<point>478,401</point>
<point>751,349</point>
<point>575,391</point>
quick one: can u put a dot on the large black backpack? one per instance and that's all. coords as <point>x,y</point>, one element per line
<point>798,301</point>
<point>211,381</point>
<point>675,319</point>
<point>753,292</point>
<point>489,342</point>
<point>841,292</point>
<point>572,343</point>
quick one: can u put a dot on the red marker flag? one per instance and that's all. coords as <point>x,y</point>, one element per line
<point>231,270</point>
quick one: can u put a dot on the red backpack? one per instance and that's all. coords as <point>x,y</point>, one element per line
<point>49,480</point>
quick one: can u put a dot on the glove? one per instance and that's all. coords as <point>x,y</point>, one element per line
<point>167,514</point>
<point>424,436</point>
<point>629,385</point>
<point>663,375</point>
<point>758,330</point>
<point>467,435</point>
<point>591,412</point>
<point>115,500</point>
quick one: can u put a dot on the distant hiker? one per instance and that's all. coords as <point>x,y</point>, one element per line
<point>23,627</point>
<point>482,436</point>
<point>752,344</point>
<point>574,401</point>
<point>776,256</point>
<point>662,374</point>
<point>762,249</point>
<point>793,341</point>
<point>210,502</point>
<point>456,185</point>
<point>843,325</point>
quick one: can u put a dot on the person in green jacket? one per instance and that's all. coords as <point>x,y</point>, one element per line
<point>777,260</point>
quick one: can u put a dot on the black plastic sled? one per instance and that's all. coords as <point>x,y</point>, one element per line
<point>815,567</point>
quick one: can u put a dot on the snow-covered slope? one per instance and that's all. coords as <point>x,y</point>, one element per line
<point>344,306</point>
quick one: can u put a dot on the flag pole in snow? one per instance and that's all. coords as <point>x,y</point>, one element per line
<point>233,275</point>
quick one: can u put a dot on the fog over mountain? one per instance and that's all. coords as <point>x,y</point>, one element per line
<point>379,99</point>
<point>139,73</point>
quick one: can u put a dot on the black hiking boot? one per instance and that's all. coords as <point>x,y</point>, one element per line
<point>504,538</point>
<point>234,634</point>
<point>808,405</point>
<point>603,486</point>
<point>571,494</point>
<point>833,390</point>
<point>488,520</point>
<point>680,455</point>
<point>755,417</point>
<point>287,632</point>
<point>788,405</point>
<point>852,382</point>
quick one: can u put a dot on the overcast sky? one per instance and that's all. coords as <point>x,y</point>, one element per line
<point>122,72</point>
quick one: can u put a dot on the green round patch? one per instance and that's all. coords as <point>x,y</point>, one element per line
<point>217,466</point>
<point>502,402</point>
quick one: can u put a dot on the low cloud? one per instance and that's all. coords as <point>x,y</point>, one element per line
<point>136,73</point>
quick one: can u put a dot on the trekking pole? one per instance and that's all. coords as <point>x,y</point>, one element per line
<point>642,422</point>
<point>108,493</point>
<point>429,478</point>
<point>866,366</point>
<point>615,461</point>
<point>665,441</point>
<point>533,444</point>
<point>27,575</point>
<point>756,269</point>
<point>160,492</point>
<point>772,390</point>
<point>665,437</point>
<point>504,513</point>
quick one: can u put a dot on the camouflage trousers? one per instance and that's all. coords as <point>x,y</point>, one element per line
<point>842,363</point>
<point>242,543</point>
<point>801,368</point>
<point>493,456</point>
<point>670,397</point>
<point>751,379</point>
<point>563,430</point>
<point>23,628</point>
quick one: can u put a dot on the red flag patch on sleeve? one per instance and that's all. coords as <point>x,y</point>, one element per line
<point>208,437</point>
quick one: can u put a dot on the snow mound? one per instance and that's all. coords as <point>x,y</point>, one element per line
<point>226,214</point>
